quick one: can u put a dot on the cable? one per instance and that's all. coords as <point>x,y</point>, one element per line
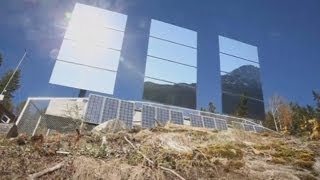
<point>17,68</point>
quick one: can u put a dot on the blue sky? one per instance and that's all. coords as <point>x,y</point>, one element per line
<point>286,32</point>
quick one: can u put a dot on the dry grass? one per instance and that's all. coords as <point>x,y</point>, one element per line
<point>192,152</point>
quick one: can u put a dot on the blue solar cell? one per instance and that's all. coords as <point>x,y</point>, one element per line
<point>94,109</point>
<point>196,121</point>
<point>209,122</point>
<point>110,109</point>
<point>101,109</point>
<point>138,105</point>
<point>248,127</point>
<point>251,123</point>
<point>126,113</point>
<point>207,114</point>
<point>163,115</point>
<point>221,124</point>
<point>148,116</point>
<point>259,129</point>
<point>237,125</point>
<point>176,117</point>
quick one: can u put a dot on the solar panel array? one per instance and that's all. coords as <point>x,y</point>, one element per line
<point>101,109</point>
<point>209,122</point>
<point>94,109</point>
<point>110,109</point>
<point>238,125</point>
<point>148,116</point>
<point>245,126</point>
<point>249,122</point>
<point>126,113</point>
<point>259,129</point>
<point>176,117</point>
<point>163,115</point>
<point>196,120</point>
<point>221,124</point>
<point>248,127</point>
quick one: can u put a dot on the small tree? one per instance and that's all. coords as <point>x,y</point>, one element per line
<point>242,108</point>
<point>212,107</point>
<point>274,104</point>
<point>316,123</point>
<point>285,116</point>
<point>75,113</point>
<point>316,97</point>
<point>203,109</point>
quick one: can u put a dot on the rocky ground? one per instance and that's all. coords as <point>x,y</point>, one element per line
<point>170,152</point>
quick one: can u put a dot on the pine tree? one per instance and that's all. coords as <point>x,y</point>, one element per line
<point>203,109</point>
<point>242,108</point>
<point>212,107</point>
<point>316,96</point>
<point>12,87</point>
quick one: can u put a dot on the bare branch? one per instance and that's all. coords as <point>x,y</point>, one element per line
<point>274,104</point>
<point>45,171</point>
<point>63,152</point>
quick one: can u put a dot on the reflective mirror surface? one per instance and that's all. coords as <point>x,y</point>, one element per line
<point>240,76</point>
<point>171,65</point>
<point>83,77</point>
<point>90,52</point>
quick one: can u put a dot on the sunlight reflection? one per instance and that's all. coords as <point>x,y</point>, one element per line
<point>90,50</point>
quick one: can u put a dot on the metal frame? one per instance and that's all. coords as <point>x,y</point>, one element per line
<point>44,99</point>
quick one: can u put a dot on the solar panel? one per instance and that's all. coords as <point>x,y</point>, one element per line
<point>248,127</point>
<point>259,129</point>
<point>163,115</point>
<point>110,109</point>
<point>196,121</point>
<point>221,124</point>
<point>126,113</point>
<point>148,116</point>
<point>209,122</point>
<point>176,117</point>
<point>251,123</point>
<point>238,125</point>
<point>94,109</point>
<point>138,106</point>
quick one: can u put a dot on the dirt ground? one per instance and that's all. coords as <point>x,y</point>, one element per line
<point>161,153</point>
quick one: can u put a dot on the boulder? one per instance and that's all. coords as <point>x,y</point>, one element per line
<point>111,126</point>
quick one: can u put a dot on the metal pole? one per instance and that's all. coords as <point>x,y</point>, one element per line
<point>37,125</point>
<point>22,112</point>
<point>15,71</point>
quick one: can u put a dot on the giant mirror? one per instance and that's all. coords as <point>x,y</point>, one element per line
<point>171,66</point>
<point>240,77</point>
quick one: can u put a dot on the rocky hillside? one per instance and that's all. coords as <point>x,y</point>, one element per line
<point>170,152</point>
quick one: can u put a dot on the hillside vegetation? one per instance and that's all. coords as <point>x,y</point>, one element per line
<point>169,152</point>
